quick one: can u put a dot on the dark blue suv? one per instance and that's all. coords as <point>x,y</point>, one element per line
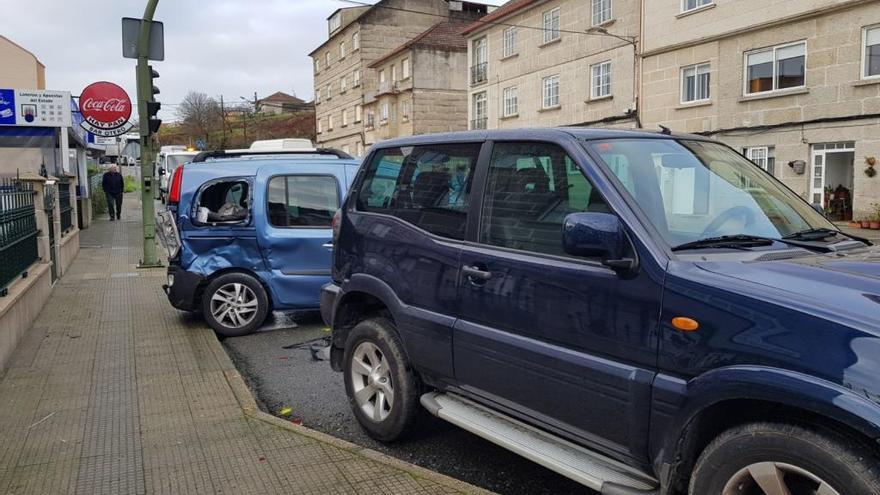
<point>641,312</point>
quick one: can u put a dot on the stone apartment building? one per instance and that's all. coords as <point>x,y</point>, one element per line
<point>793,84</point>
<point>357,37</point>
<point>422,86</point>
<point>543,63</point>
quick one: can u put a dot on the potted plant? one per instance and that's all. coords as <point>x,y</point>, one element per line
<point>855,224</point>
<point>875,221</point>
<point>865,223</point>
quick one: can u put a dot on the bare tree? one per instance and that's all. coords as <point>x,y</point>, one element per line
<point>199,114</point>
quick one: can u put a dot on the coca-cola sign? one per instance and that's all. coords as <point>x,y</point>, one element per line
<point>105,109</point>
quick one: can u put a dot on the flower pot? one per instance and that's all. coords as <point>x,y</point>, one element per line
<point>865,224</point>
<point>875,224</point>
<point>855,225</point>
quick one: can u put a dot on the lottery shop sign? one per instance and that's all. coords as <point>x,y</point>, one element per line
<point>106,109</point>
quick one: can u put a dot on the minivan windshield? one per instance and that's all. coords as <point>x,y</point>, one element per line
<point>694,190</point>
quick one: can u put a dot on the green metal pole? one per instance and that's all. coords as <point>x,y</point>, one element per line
<point>145,93</point>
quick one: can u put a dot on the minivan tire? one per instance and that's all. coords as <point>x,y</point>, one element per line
<point>252,296</point>
<point>804,455</point>
<point>371,340</point>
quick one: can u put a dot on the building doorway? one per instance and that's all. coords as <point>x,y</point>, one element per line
<point>832,178</point>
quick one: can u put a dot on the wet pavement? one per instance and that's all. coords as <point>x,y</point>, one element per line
<point>280,369</point>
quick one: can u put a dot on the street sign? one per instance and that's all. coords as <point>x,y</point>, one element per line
<point>200,145</point>
<point>105,141</point>
<point>35,108</point>
<point>105,108</point>
<point>131,29</point>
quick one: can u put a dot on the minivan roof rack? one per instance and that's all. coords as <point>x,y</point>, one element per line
<point>206,155</point>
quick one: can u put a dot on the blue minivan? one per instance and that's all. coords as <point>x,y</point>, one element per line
<point>641,312</point>
<point>250,232</point>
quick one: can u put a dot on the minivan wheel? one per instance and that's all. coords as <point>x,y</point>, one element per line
<point>784,459</point>
<point>382,388</point>
<point>235,304</point>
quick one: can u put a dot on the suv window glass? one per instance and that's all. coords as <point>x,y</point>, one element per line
<point>302,200</point>
<point>427,186</point>
<point>531,188</point>
<point>224,202</point>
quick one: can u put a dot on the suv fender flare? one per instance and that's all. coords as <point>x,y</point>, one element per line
<point>368,285</point>
<point>676,402</point>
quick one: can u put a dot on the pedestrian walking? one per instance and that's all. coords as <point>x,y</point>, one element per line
<point>113,185</point>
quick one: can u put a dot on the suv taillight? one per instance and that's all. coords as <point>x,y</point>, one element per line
<point>176,181</point>
<point>337,219</point>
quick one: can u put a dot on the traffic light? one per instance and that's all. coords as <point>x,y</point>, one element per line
<point>153,106</point>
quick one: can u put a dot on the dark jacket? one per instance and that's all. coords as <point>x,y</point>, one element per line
<point>112,183</point>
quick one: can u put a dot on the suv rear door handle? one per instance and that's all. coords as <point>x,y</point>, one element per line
<point>473,272</point>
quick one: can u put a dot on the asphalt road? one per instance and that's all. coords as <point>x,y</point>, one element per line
<point>279,368</point>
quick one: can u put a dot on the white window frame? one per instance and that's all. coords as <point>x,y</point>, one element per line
<point>320,126</point>
<point>547,92</point>
<point>334,22</point>
<point>381,76</point>
<point>328,92</point>
<point>864,64</point>
<point>393,73</point>
<point>605,13</point>
<point>510,101</point>
<point>356,41</point>
<point>700,4</point>
<point>404,68</point>
<point>594,87</point>
<point>696,68</point>
<point>358,113</point>
<point>346,149</point>
<point>359,148</point>
<point>318,95</point>
<point>509,42</point>
<point>327,58</point>
<point>357,79</point>
<point>342,51</point>
<point>344,117</point>
<point>317,64</point>
<point>383,113</point>
<point>754,153</point>
<point>329,122</point>
<point>774,49</point>
<point>405,110</point>
<point>551,32</point>
<point>343,84</point>
<point>480,101</point>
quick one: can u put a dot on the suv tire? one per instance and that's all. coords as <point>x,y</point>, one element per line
<point>382,388</point>
<point>802,458</point>
<point>235,304</point>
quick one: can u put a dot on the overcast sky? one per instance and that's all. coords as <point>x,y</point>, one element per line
<point>228,47</point>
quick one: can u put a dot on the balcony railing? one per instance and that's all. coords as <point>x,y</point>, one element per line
<point>479,73</point>
<point>479,124</point>
<point>387,87</point>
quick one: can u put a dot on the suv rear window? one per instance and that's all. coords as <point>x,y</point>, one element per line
<point>427,186</point>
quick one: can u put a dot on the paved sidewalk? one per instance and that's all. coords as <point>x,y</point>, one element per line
<point>114,392</point>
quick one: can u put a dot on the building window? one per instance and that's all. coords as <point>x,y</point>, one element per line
<point>356,79</point>
<point>317,95</point>
<point>320,126</point>
<point>601,11</point>
<point>551,25</point>
<point>327,92</point>
<point>358,111</point>
<point>404,67</point>
<point>776,68</point>
<point>341,50</point>
<point>330,123</point>
<point>480,111</point>
<point>343,84</point>
<point>511,101</point>
<point>371,120</point>
<point>344,117</point>
<point>480,64</point>
<point>356,41</point>
<point>346,149</point>
<point>317,65</point>
<point>405,110</point>
<point>509,42</point>
<point>550,90</point>
<point>871,46</point>
<point>601,80</point>
<point>327,59</point>
<point>359,148</point>
<point>393,73</point>
<point>383,116</point>
<point>381,76</point>
<point>695,83</point>
<point>688,5</point>
<point>763,156</point>
<point>335,22</point>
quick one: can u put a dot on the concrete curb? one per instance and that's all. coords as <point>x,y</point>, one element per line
<point>250,408</point>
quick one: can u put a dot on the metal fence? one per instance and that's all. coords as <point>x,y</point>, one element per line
<point>18,230</point>
<point>66,210</point>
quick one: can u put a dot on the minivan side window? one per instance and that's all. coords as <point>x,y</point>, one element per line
<point>302,200</point>
<point>530,189</point>
<point>224,202</point>
<point>427,186</point>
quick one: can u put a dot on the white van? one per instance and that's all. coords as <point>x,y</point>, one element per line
<point>165,165</point>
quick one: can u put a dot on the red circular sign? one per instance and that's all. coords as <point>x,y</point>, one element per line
<point>105,105</point>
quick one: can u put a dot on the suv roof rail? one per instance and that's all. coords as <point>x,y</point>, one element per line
<point>206,155</point>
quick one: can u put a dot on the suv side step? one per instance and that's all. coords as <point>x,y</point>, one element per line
<point>572,461</point>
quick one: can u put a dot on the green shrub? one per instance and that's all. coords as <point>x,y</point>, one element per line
<point>131,184</point>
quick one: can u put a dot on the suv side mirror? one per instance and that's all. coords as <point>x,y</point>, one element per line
<point>597,235</point>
